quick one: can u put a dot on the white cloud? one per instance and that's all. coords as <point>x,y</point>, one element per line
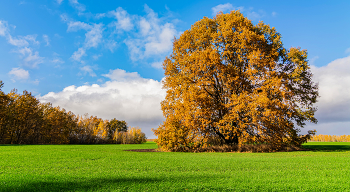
<point>137,100</point>
<point>59,1</point>
<point>124,21</point>
<point>222,7</point>
<point>46,39</point>
<point>94,36</point>
<point>274,14</point>
<point>122,75</point>
<point>334,90</point>
<point>19,74</point>
<point>77,5</point>
<point>77,25</point>
<point>78,54</point>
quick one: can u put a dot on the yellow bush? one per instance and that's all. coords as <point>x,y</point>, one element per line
<point>132,136</point>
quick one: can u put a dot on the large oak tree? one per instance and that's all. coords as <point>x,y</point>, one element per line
<point>231,81</point>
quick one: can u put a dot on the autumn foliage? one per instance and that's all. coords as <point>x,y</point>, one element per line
<point>24,120</point>
<point>230,82</point>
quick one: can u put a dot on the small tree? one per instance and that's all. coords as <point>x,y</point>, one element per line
<point>231,82</point>
<point>132,136</point>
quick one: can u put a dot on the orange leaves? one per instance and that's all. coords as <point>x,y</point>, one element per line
<point>230,80</point>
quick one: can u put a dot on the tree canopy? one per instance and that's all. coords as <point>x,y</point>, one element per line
<point>229,81</point>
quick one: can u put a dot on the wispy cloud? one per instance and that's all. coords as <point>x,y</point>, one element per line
<point>57,60</point>
<point>3,28</point>
<point>77,25</point>
<point>347,51</point>
<point>22,43</point>
<point>222,8</point>
<point>78,54</point>
<point>124,20</point>
<point>78,6</point>
<point>111,45</point>
<point>153,39</point>
<point>88,69</point>
<point>96,57</point>
<point>18,42</point>
<point>248,12</point>
<point>94,36</point>
<point>30,58</point>
<point>147,37</point>
<point>100,15</point>
<point>254,15</point>
<point>46,39</point>
<point>64,17</point>
<point>59,1</point>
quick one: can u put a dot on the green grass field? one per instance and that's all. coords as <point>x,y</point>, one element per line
<point>110,168</point>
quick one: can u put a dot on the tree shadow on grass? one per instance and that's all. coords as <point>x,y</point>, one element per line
<point>98,184</point>
<point>174,183</point>
<point>327,148</point>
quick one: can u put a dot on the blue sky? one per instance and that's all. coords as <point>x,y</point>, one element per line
<point>105,58</point>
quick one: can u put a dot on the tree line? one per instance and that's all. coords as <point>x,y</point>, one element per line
<point>330,138</point>
<point>25,120</point>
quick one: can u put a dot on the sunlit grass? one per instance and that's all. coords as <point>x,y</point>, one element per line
<point>110,168</point>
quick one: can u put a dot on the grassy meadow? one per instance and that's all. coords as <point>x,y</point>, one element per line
<point>109,168</point>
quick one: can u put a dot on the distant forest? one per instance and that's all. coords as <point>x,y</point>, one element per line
<point>24,120</point>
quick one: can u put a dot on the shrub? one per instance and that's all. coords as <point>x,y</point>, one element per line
<point>132,136</point>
